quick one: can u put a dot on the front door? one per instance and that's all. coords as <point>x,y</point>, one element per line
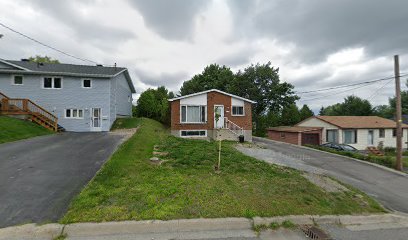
<point>219,111</point>
<point>96,124</point>
<point>370,138</point>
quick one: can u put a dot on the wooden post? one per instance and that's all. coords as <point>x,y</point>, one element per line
<point>398,117</point>
<point>25,105</point>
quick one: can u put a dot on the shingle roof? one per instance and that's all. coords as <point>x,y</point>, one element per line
<point>67,68</point>
<point>294,129</point>
<point>359,121</point>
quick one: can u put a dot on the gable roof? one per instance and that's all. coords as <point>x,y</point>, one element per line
<point>66,70</point>
<point>358,121</point>
<point>212,90</point>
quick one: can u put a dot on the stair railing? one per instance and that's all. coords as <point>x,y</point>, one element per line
<point>237,130</point>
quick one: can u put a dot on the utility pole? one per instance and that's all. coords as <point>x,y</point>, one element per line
<point>398,113</point>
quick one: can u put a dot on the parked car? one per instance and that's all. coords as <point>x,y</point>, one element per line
<point>340,147</point>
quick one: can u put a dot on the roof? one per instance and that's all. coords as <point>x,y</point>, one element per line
<point>212,90</point>
<point>66,69</point>
<point>359,121</point>
<point>294,129</point>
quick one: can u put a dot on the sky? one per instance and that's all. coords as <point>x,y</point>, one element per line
<point>314,43</point>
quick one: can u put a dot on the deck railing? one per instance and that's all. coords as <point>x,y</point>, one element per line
<point>237,130</point>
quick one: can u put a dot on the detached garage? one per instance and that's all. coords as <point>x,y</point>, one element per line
<point>296,135</point>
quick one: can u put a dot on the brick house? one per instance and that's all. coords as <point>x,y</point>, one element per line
<point>296,135</point>
<point>194,116</point>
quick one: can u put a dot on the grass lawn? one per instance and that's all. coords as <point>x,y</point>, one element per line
<point>12,129</point>
<point>129,187</point>
<point>121,123</point>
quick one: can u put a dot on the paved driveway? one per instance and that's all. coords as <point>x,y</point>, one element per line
<point>390,189</point>
<point>40,176</point>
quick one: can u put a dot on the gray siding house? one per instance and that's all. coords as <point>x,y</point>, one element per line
<point>84,98</point>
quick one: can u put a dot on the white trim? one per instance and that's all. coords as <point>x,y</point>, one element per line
<point>193,130</point>
<point>186,105</point>
<point>52,83</point>
<point>212,90</point>
<point>237,115</point>
<point>72,110</point>
<point>96,129</point>
<point>221,117</point>
<point>13,80</point>
<point>14,65</point>
<point>83,80</point>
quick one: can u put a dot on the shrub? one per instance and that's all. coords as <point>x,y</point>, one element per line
<point>390,150</point>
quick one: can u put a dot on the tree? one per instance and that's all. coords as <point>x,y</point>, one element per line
<point>153,103</point>
<point>213,76</point>
<point>384,111</point>
<point>262,84</point>
<point>290,115</point>
<point>404,102</point>
<point>40,59</point>
<point>352,106</point>
<point>305,112</point>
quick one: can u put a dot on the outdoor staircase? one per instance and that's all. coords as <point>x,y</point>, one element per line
<point>35,113</point>
<point>374,151</point>
<point>229,131</point>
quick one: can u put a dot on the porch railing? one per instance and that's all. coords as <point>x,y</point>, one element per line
<point>237,130</point>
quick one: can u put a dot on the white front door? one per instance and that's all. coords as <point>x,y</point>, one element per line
<point>370,136</point>
<point>96,123</point>
<point>219,110</point>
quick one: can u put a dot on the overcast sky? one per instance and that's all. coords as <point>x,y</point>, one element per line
<point>315,43</point>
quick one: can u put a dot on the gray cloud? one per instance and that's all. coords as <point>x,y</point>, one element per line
<point>172,20</point>
<point>237,58</point>
<point>319,28</point>
<point>169,80</point>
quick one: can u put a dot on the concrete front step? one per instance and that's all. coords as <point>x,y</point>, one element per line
<point>224,134</point>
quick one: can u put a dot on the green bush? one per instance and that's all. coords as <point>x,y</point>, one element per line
<point>390,150</point>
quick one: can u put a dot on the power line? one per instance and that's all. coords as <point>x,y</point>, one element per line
<point>372,95</point>
<point>46,45</point>
<point>333,94</point>
<point>350,85</point>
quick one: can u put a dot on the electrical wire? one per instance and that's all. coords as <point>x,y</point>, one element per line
<point>372,95</point>
<point>46,45</point>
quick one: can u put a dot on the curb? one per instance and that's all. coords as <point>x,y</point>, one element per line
<point>337,155</point>
<point>241,227</point>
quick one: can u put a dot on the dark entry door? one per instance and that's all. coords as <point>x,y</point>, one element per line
<point>310,138</point>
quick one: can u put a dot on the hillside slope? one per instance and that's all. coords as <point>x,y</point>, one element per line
<point>12,129</point>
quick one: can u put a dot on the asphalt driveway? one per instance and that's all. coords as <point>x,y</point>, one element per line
<point>40,176</point>
<point>389,188</point>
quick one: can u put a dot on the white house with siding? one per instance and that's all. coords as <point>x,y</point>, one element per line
<point>83,98</point>
<point>357,131</point>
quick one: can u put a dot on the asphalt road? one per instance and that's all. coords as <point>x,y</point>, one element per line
<point>389,188</point>
<point>40,176</point>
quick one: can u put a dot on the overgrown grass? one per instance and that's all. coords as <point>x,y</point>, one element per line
<point>129,187</point>
<point>12,129</point>
<point>125,123</point>
<point>387,160</point>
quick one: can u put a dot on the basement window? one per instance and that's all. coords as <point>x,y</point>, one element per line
<point>193,133</point>
<point>17,80</point>
<point>74,113</point>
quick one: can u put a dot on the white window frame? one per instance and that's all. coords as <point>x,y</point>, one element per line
<point>72,111</point>
<point>185,105</point>
<point>193,130</point>
<point>83,83</point>
<point>354,140</point>
<point>52,83</point>
<point>13,80</point>
<point>237,115</point>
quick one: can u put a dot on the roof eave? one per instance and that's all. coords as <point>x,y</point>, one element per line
<point>211,90</point>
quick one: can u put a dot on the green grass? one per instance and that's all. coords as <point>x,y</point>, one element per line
<point>125,123</point>
<point>129,187</point>
<point>388,160</point>
<point>12,129</point>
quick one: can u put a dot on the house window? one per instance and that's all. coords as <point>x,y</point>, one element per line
<point>17,80</point>
<point>86,83</point>
<point>193,133</point>
<point>282,135</point>
<point>381,133</point>
<point>52,82</point>
<point>237,110</point>
<point>394,132</point>
<point>332,136</point>
<point>193,114</point>
<point>74,113</point>
<point>350,136</point>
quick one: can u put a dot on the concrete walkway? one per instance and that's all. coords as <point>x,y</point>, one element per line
<point>214,229</point>
<point>387,186</point>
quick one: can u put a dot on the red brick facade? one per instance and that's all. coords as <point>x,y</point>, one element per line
<point>287,137</point>
<point>213,98</point>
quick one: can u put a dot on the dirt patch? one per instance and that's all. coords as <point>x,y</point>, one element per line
<point>328,184</point>
<point>126,133</point>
